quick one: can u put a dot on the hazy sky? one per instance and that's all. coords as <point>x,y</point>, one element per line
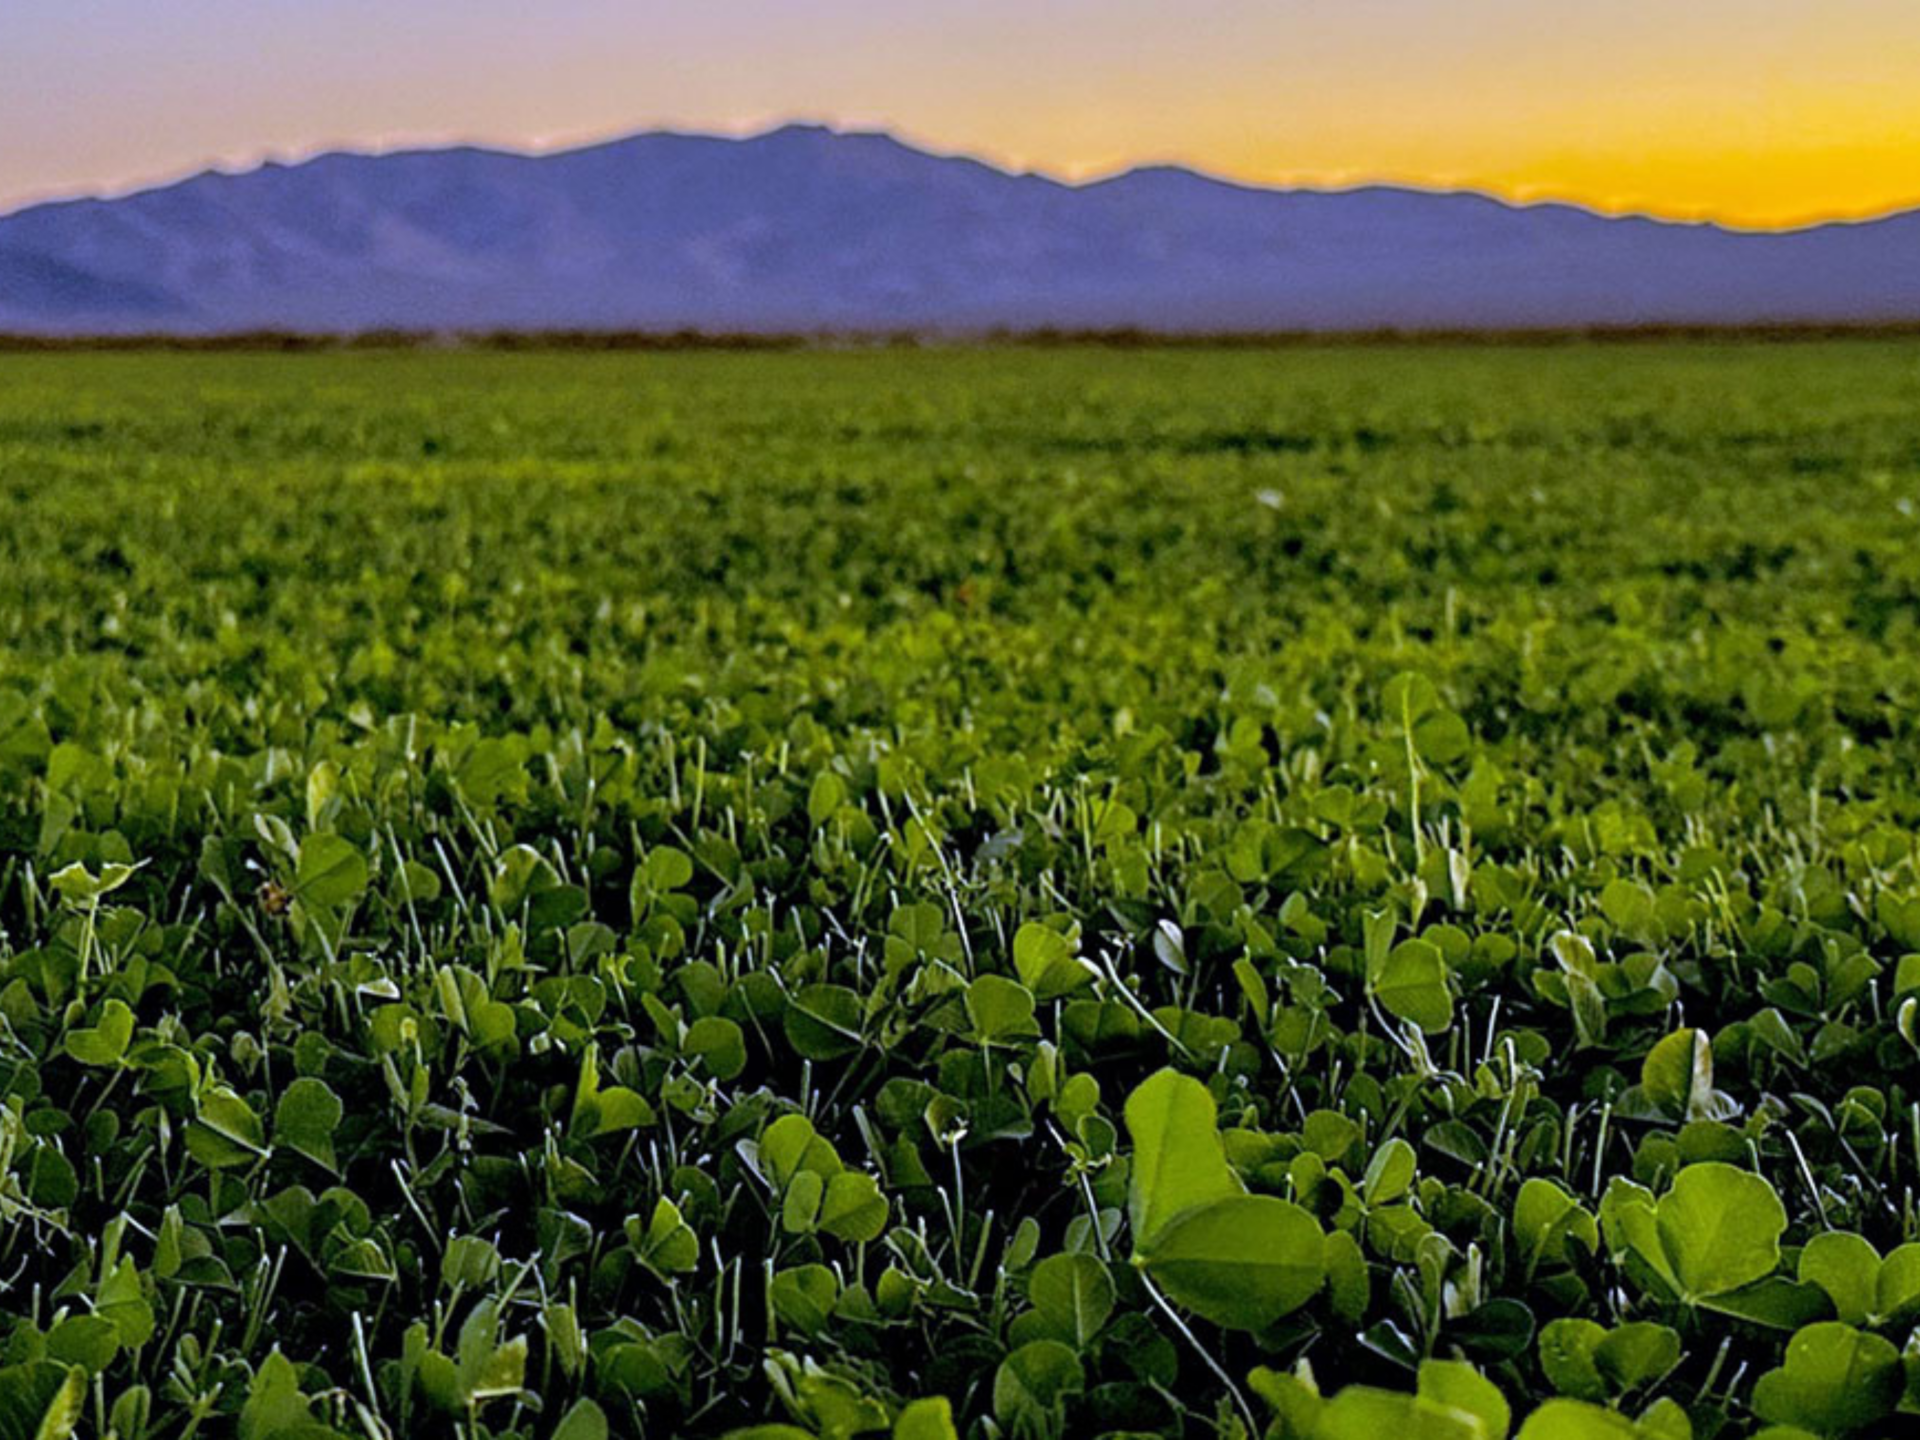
<point>1755,111</point>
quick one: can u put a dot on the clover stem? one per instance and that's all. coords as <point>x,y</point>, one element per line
<point>1413,782</point>
<point>86,941</point>
<point>1206,1358</point>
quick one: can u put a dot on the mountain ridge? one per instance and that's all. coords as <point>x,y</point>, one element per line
<point>807,228</point>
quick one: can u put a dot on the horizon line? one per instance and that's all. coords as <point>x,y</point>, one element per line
<point>541,147</point>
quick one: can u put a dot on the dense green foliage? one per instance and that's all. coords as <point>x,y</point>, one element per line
<point>1326,893</point>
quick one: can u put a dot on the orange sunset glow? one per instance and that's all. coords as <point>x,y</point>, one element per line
<point>1751,112</point>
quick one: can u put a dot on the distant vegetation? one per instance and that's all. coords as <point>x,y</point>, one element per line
<point>252,341</point>
<point>1323,893</point>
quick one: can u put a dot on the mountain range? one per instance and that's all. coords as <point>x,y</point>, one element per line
<point>811,229</point>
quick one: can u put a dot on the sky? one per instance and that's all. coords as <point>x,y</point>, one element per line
<point>1753,112</point>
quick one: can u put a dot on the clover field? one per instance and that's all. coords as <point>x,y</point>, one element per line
<point>1318,893</point>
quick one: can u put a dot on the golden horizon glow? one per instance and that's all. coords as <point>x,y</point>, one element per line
<point>1752,113</point>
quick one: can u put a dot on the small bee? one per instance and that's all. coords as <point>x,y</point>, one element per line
<point>273,897</point>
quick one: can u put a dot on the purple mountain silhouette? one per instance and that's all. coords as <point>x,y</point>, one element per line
<point>806,228</point>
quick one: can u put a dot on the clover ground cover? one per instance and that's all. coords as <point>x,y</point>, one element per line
<point>1315,893</point>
